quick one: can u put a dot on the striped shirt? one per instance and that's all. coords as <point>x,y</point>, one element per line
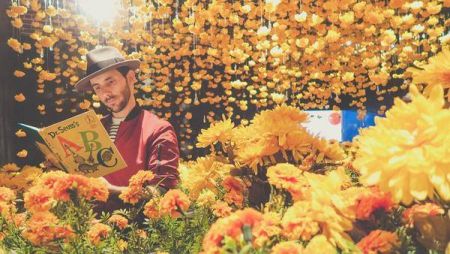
<point>115,127</point>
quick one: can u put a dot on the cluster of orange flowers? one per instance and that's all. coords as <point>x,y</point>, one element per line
<point>136,188</point>
<point>57,185</point>
<point>235,56</point>
<point>272,133</point>
<point>97,232</point>
<point>233,227</point>
<point>174,203</point>
<point>44,227</point>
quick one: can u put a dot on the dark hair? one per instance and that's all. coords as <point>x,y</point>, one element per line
<point>124,70</point>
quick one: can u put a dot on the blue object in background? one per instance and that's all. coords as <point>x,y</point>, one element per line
<point>351,124</point>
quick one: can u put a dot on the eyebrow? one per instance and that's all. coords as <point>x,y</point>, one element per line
<point>106,79</point>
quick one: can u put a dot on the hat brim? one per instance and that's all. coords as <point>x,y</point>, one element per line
<point>85,85</point>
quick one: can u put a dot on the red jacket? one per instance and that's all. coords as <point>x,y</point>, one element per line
<point>146,142</point>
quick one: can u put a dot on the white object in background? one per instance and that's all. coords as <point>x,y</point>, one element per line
<point>325,124</point>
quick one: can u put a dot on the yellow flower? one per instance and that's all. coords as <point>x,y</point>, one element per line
<point>318,245</point>
<point>289,247</point>
<point>305,219</point>
<point>218,132</point>
<point>122,245</point>
<point>10,167</point>
<point>204,173</point>
<point>19,74</point>
<point>19,97</point>
<point>15,45</point>
<point>206,198</point>
<point>22,153</point>
<point>406,153</point>
<point>435,73</point>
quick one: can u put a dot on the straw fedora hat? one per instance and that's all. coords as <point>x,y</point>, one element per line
<point>100,60</point>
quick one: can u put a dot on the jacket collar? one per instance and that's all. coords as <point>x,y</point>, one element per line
<point>133,114</point>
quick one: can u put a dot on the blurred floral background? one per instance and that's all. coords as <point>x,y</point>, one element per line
<point>233,78</point>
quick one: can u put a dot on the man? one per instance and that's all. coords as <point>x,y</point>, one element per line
<point>145,141</point>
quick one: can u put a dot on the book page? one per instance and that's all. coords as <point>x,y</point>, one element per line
<point>83,145</point>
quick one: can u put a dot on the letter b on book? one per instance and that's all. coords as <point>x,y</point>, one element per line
<point>90,140</point>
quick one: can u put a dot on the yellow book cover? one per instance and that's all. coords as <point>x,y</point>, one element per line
<point>81,145</point>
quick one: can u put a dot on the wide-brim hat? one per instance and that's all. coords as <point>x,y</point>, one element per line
<point>100,60</point>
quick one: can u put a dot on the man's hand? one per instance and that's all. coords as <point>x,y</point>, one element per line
<point>112,188</point>
<point>50,161</point>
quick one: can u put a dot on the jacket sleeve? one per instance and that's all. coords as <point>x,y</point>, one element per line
<point>163,157</point>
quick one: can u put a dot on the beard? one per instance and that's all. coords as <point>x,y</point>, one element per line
<point>124,98</point>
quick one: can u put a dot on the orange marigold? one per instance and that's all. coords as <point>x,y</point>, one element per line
<point>42,228</point>
<point>141,177</point>
<point>234,197</point>
<point>231,183</point>
<point>221,209</point>
<point>118,220</point>
<point>151,209</point>
<point>38,199</point>
<point>269,226</point>
<point>378,241</point>
<point>371,201</point>
<point>235,188</point>
<point>98,232</point>
<point>131,194</point>
<point>71,182</point>
<point>97,190</point>
<point>49,179</point>
<point>425,210</point>
<point>174,203</point>
<point>231,226</point>
<point>290,247</point>
<point>7,195</point>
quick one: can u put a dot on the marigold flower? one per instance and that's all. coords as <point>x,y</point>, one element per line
<point>141,177</point>
<point>418,210</point>
<point>15,45</point>
<point>50,178</point>
<point>284,175</point>
<point>174,203</point>
<point>10,167</point>
<point>22,153</point>
<point>38,199</point>
<point>204,173</point>
<point>72,182</point>
<point>231,226</point>
<point>306,219</point>
<point>131,194</point>
<point>7,195</point>
<point>414,151</point>
<point>42,228</point>
<point>269,227</point>
<point>221,209</point>
<point>118,220</point>
<point>151,209</point>
<point>378,241</point>
<point>20,134</point>
<point>372,201</point>
<point>98,232</point>
<point>218,132</point>
<point>206,198</point>
<point>97,190</point>
<point>289,247</point>
<point>435,73</point>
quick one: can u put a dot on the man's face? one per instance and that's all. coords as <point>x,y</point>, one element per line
<point>113,89</point>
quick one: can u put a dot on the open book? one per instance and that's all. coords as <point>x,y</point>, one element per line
<point>78,145</point>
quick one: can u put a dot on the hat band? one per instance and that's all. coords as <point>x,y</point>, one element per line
<point>94,67</point>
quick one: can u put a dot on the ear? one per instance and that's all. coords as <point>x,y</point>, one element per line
<point>131,77</point>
